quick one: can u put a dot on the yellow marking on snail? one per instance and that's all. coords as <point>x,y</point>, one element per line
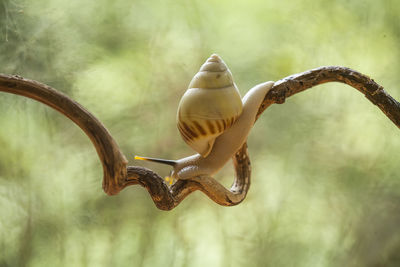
<point>169,180</point>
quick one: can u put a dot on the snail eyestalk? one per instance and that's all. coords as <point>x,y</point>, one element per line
<point>162,161</point>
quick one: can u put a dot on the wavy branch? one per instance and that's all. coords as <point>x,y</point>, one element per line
<point>117,175</point>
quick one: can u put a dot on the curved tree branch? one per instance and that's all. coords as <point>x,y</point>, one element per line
<point>297,83</point>
<point>117,175</point>
<point>114,162</point>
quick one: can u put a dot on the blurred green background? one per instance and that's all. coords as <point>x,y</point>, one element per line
<point>325,182</point>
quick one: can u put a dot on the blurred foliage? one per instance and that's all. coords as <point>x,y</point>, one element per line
<point>326,185</point>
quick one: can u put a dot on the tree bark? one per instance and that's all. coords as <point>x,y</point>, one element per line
<point>117,175</point>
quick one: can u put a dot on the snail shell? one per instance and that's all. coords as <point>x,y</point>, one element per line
<point>210,105</point>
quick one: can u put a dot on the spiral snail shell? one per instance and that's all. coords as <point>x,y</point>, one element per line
<point>210,105</point>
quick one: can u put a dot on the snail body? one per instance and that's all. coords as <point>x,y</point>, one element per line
<point>213,120</point>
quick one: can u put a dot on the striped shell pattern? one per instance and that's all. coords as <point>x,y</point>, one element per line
<point>210,105</point>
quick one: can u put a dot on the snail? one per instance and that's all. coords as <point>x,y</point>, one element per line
<point>213,120</point>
